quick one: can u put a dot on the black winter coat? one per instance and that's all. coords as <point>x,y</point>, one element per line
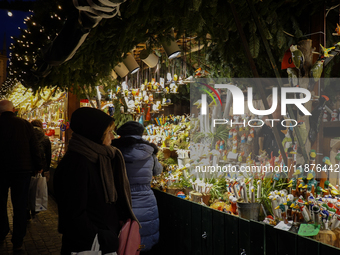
<point>269,143</point>
<point>19,148</point>
<point>45,148</point>
<point>82,209</point>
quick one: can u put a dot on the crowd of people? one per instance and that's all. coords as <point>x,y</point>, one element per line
<point>99,184</point>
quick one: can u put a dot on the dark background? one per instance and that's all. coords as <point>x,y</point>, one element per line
<point>9,25</point>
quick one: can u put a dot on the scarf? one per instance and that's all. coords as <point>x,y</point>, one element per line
<point>96,152</point>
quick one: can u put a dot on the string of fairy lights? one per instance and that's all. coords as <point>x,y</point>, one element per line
<point>24,99</point>
<point>32,40</point>
<point>25,48</point>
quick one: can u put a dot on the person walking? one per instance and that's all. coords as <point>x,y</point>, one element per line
<point>267,141</point>
<point>141,164</point>
<point>19,158</point>
<point>45,146</point>
<point>91,186</point>
<point>45,153</point>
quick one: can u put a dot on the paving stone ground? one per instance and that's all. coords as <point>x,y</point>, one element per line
<point>42,235</point>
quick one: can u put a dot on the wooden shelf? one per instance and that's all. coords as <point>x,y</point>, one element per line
<point>331,124</point>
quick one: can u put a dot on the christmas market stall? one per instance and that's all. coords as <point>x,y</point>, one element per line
<point>242,99</point>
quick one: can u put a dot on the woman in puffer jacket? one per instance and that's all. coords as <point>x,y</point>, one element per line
<point>141,164</point>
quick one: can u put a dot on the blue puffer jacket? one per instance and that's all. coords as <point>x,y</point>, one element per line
<point>141,165</point>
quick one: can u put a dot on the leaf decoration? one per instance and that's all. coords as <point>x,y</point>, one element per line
<point>297,31</point>
<point>267,34</point>
<point>280,38</point>
<point>273,29</point>
<point>197,4</point>
<point>252,27</point>
<point>254,46</point>
<point>269,19</point>
<point>147,20</point>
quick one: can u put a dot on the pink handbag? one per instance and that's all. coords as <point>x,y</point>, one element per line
<point>129,239</point>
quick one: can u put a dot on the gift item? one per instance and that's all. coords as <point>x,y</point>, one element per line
<point>334,115</point>
<point>325,116</point>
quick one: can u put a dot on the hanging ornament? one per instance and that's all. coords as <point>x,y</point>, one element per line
<point>148,116</point>
<point>63,127</point>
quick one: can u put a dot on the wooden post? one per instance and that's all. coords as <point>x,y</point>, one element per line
<point>317,38</point>
<point>290,166</point>
<point>73,103</point>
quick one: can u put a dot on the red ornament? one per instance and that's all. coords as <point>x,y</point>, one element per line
<point>287,60</point>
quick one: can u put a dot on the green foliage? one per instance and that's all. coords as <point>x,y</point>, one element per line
<point>266,31</point>
<point>267,187</point>
<point>280,38</point>
<point>152,21</point>
<point>218,189</point>
<point>120,118</point>
<point>252,27</point>
<point>185,181</point>
<point>170,161</point>
<point>297,31</point>
<point>177,185</point>
<point>221,133</point>
<point>254,45</point>
<point>160,155</point>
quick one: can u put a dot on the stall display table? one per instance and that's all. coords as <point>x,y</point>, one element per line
<point>190,228</point>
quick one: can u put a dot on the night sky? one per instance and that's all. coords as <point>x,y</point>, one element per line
<point>9,25</point>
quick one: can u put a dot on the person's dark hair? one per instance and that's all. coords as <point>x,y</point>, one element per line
<point>131,128</point>
<point>37,123</point>
<point>90,123</point>
<point>127,141</point>
<point>126,131</point>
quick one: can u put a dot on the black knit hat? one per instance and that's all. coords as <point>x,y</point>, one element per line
<point>131,128</point>
<point>90,123</point>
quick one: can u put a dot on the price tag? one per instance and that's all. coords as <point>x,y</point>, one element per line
<point>309,230</point>
<point>283,226</point>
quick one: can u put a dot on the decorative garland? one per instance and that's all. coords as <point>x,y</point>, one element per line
<point>152,21</point>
